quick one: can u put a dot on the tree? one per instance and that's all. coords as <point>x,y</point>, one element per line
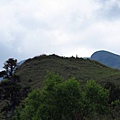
<point>63,100</point>
<point>9,67</point>
<point>114,91</point>
<point>114,99</point>
<point>97,99</point>
<point>59,100</point>
<point>11,91</point>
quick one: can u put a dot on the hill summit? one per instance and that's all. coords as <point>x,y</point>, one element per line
<point>33,71</point>
<point>107,58</point>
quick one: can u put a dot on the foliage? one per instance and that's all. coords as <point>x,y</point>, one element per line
<point>63,100</point>
<point>97,98</point>
<point>114,99</point>
<point>114,93</point>
<point>11,91</point>
<point>82,69</point>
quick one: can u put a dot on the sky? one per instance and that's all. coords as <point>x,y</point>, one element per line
<point>30,28</point>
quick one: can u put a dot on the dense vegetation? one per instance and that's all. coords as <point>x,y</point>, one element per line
<point>33,71</point>
<point>68,100</point>
<point>11,91</point>
<point>73,96</point>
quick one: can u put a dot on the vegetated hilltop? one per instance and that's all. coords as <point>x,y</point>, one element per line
<point>33,71</point>
<point>107,58</point>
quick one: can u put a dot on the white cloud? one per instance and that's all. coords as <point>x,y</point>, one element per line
<point>63,27</point>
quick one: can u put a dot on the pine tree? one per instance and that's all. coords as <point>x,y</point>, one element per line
<point>11,90</point>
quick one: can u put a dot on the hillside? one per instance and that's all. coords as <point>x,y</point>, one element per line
<point>33,71</point>
<point>107,58</point>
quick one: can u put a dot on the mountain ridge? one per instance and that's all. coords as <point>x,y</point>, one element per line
<point>33,71</point>
<point>107,58</point>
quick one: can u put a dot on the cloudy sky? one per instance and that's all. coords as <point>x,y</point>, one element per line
<point>64,27</point>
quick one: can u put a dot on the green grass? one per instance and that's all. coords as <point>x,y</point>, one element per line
<point>36,68</point>
<point>32,73</point>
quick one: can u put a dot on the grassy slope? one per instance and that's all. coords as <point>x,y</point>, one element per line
<point>36,68</point>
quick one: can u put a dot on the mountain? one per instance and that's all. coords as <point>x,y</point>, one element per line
<point>33,71</point>
<point>107,58</point>
<point>20,63</point>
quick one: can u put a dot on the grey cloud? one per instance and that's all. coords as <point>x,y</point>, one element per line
<point>109,10</point>
<point>10,41</point>
<point>6,53</point>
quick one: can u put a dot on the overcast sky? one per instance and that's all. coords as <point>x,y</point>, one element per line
<point>64,27</point>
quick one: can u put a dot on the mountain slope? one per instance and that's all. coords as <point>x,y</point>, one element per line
<point>33,71</point>
<point>107,58</point>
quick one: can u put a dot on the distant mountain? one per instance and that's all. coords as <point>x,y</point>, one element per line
<point>21,62</point>
<point>107,58</point>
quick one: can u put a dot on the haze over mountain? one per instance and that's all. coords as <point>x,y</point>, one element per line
<point>107,58</point>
